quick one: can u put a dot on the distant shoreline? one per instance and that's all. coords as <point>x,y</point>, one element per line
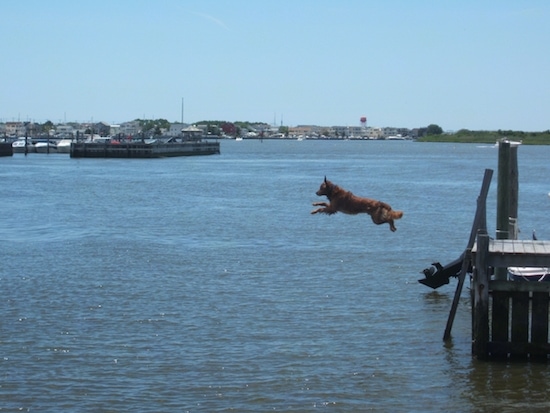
<point>490,137</point>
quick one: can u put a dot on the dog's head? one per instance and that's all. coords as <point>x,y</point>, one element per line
<point>325,189</point>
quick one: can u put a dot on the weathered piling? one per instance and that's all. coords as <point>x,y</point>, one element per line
<point>480,305</point>
<point>507,196</point>
<point>503,190</point>
<point>514,186</point>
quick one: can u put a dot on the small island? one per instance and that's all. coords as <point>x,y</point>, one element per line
<point>435,134</point>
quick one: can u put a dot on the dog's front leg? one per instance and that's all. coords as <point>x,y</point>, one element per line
<point>328,209</point>
<point>323,204</point>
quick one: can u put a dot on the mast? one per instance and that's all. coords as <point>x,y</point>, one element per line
<point>182,105</point>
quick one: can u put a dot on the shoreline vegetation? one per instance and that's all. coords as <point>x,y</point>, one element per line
<point>489,137</point>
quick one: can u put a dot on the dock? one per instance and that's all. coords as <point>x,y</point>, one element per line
<point>142,149</point>
<point>6,149</point>
<point>510,318</point>
<point>518,253</point>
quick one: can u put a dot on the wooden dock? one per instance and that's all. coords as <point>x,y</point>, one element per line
<point>510,318</point>
<point>143,149</point>
<point>6,149</point>
<point>519,253</point>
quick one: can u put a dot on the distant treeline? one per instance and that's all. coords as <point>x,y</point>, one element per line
<point>469,136</point>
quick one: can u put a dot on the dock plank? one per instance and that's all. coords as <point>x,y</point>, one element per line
<point>520,253</point>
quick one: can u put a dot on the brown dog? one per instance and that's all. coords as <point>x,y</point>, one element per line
<point>348,203</point>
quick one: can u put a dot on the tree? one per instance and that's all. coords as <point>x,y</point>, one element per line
<point>228,128</point>
<point>47,126</point>
<point>152,124</point>
<point>434,130</point>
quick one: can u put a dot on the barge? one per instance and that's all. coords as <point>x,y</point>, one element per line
<point>142,149</point>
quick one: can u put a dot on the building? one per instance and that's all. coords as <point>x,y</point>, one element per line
<point>17,128</point>
<point>64,129</point>
<point>175,129</point>
<point>132,128</point>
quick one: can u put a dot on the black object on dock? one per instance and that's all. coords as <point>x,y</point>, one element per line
<point>439,275</point>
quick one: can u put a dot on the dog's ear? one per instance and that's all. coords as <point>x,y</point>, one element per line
<point>325,179</point>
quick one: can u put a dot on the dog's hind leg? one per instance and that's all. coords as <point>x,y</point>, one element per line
<point>382,218</point>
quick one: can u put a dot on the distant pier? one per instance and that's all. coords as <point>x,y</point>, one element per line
<point>142,149</point>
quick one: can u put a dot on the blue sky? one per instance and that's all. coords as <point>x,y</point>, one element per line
<point>477,64</point>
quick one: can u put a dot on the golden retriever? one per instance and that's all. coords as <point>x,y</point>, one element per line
<point>348,203</point>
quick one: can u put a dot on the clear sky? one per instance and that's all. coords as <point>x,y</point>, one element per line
<point>474,64</point>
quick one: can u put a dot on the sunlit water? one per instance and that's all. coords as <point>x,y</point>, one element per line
<point>204,284</point>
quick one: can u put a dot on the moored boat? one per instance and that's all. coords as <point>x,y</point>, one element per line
<point>19,145</point>
<point>513,144</point>
<point>529,274</point>
<point>64,146</point>
<point>45,147</point>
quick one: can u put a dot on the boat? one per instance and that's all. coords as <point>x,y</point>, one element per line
<point>536,274</point>
<point>397,137</point>
<point>513,144</point>
<point>45,147</point>
<point>529,273</point>
<point>18,146</point>
<point>64,146</point>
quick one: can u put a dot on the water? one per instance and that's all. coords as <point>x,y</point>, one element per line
<point>204,284</point>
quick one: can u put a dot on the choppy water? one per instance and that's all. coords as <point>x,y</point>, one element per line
<point>204,284</point>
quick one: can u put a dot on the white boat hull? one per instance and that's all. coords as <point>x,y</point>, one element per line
<point>43,147</point>
<point>64,146</point>
<point>19,146</point>
<point>529,274</point>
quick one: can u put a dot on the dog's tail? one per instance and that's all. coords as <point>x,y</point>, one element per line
<point>396,214</point>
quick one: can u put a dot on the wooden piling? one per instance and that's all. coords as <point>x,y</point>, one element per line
<point>514,185</point>
<point>539,325</point>
<point>480,332</point>
<point>507,196</point>
<point>503,190</point>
